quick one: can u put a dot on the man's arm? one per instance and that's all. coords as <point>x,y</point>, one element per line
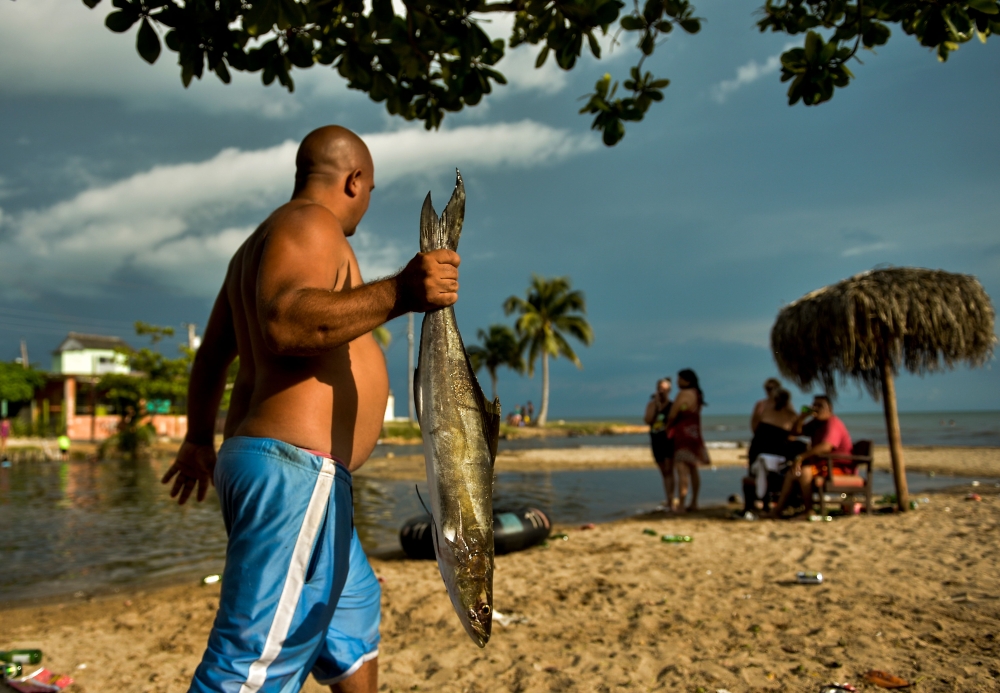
<point>195,463</point>
<point>305,301</point>
<point>208,372</point>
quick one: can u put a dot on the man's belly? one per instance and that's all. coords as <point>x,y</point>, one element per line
<point>335,403</point>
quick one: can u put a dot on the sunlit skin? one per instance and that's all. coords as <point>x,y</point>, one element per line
<point>296,311</point>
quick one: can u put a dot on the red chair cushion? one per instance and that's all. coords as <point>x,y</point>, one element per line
<point>847,481</point>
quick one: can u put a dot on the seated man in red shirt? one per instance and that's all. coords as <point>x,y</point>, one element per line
<point>828,435</point>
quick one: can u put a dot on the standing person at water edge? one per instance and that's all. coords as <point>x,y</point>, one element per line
<point>298,594</point>
<point>684,430</point>
<point>657,410</point>
<point>4,435</point>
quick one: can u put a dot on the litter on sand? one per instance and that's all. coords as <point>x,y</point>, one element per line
<point>650,532</point>
<point>974,497</point>
<point>884,680</point>
<point>809,578</point>
<point>589,525</point>
<point>837,688</point>
<point>210,579</point>
<point>39,681</point>
<point>506,620</point>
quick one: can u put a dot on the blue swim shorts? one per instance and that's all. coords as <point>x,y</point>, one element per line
<point>298,593</point>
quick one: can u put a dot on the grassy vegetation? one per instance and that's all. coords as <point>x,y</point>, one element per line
<point>401,430</point>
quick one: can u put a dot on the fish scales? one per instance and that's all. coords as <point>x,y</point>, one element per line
<point>460,429</point>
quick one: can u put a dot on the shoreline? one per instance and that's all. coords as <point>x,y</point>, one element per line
<point>971,462</point>
<point>612,607</point>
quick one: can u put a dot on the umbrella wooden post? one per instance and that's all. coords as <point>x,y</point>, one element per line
<point>895,440</point>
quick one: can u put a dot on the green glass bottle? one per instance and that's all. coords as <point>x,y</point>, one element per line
<point>10,671</point>
<point>21,656</point>
<point>675,538</point>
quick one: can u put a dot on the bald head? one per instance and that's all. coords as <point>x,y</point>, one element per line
<point>330,152</point>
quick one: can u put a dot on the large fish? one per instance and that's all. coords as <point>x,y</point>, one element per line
<point>460,431</point>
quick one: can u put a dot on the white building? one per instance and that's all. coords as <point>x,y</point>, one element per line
<point>90,354</point>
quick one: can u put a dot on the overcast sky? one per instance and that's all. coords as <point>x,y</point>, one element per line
<point>122,196</point>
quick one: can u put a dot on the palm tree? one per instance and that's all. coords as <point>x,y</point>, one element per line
<point>546,314</point>
<point>498,347</point>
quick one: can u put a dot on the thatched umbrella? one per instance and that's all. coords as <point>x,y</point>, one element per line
<point>869,326</point>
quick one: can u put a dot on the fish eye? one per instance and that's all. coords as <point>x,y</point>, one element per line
<point>485,611</point>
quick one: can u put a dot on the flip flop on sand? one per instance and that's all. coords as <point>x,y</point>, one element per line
<point>884,680</point>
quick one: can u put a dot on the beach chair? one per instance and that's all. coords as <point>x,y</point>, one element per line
<point>848,481</point>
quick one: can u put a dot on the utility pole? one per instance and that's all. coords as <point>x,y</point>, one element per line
<point>194,341</point>
<point>409,370</point>
<point>24,355</point>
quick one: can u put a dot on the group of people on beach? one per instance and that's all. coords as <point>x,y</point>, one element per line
<point>782,467</point>
<point>778,458</point>
<point>675,435</point>
<point>521,416</point>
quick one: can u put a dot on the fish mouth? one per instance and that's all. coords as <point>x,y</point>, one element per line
<point>479,624</point>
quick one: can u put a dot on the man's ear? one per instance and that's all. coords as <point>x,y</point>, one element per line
<point>352,183</point>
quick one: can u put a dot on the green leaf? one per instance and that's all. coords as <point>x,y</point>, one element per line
<point>985,6</point>
<point>121,21</point>
<point>814,44</point>
<point>542,56</point>
<point>147,42</point>
<point>692,26</point>
<point>595,47</point>
<point>632,23</point>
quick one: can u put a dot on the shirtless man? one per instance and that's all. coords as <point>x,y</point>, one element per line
<point>298,594</point>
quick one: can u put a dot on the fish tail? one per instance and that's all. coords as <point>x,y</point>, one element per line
<point>430,228</point>
<point>454,214</point>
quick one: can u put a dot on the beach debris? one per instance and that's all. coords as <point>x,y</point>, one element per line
<point>510,619</point>
<point>884,680</point>
<point>974,497</point>
<point>21,656</point>
<point>733,498</point>
<point>460,430</point>
<point>676,539</point>
<point>40,681</point>
<point>210,579</point>
<point>821,518</point>
<point>650,532</point>
<point>809,578</point>
<point>10,670</point>
<point>559,535</point>
<point>589,525</point>
<point>5,464</point>
<point>837,688</point>
<point>975,483</point>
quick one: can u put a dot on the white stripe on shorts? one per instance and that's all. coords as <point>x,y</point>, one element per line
<point>296,578</point>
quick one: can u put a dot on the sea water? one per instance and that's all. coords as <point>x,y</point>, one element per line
<point>84,527</point>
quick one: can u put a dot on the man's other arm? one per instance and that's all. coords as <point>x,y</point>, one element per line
<point>306,256</point>
<point>195,463</point>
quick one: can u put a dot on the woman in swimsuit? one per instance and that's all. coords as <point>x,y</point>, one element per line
<point>684,429</point>
<point>656,416</point>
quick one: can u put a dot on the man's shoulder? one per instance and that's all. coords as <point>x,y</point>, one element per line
<point>305,220</point>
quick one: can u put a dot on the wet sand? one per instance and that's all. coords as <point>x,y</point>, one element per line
<point>611,608</point>
<point>966,462</point>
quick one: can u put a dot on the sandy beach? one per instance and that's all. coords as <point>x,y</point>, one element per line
<point>612,608</point>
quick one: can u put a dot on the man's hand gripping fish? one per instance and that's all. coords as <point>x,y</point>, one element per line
<point>460,431</point>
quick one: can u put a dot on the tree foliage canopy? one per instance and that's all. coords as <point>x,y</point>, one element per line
<point>430,57</point>
<point>17,383</point>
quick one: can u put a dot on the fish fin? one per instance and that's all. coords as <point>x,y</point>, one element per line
<point>418,404</point>
<point>430,236</point>
<point>453,215</point>
<point>489,412</point>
